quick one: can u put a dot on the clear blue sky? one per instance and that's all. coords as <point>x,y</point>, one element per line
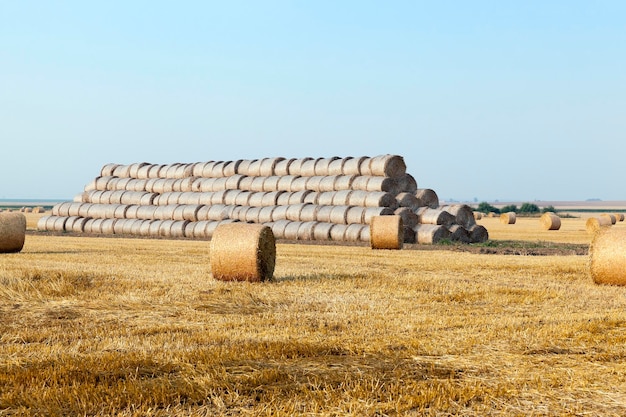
<point>484,99</point>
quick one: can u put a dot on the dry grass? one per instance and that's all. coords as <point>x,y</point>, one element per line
<point>93,326</point>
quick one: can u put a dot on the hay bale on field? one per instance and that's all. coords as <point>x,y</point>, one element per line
<point>405,199</point>
<point>550,221</point>
<point>459,233</point>
<point>322,231</point>
<point>386,232</point>
<point>594,224</point>
<point>609,216</point>
<point>387,166</point>
<point>463,214</point>
<point>428,234</point>
<point>426,215</point>
<point>409,218</point>
<point>12,232</point>
<point>427,197</point>
<point>508,218</point>
<point>619,216</point>
<point>607,256</point>
<point>478,215</point>
<point>409,235</point>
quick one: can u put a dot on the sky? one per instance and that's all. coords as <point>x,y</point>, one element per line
<point>485,100</point>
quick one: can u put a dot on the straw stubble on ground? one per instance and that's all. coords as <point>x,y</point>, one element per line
<point>138,327</point>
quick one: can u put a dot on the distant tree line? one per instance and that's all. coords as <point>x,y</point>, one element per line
<point>526,208</point>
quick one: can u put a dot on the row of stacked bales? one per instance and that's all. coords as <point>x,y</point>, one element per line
<point>300,199</point>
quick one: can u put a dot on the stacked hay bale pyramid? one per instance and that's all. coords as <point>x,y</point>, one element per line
<point>300,199</point>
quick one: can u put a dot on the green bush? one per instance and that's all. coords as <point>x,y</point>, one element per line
<point>550,209</point>
<point>529,208</point>
<point>486,208</point>
<point>511,207</point>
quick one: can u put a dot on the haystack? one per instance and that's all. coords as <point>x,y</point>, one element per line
<point>12,232</point>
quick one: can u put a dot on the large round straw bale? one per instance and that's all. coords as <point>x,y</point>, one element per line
<point>183,184</point>
<point>118,226</point>
<point>459,233</point>
<point>285,183</point>
<point>426,215</point>
<point>107,226</point>
<point>359,182</point>
<point>210,228</point>
<point>321,231</point>
<point>322,165</point>
<point>407,200</point>
<point>313,183</point>
<point>406,184</point>
<point>342,198</point>
<point>308,213</point>
<point>122,171</point>
<point>386,232</point>
<point>271,183</point>
<point>324,213</point>
<point>508,218</point>
<point>338,232</point>
<point>256,199</point>
<point>203,169</point>
<point>108,169</point>
<point>308,167</point>
<point>133,172</point>
<point>607,256</point>
<point>409,218</point>
<point>62,209</point>
<point>386,184</point>
<point>144,171</point>
<point>283,198</point>
<point>478,215</point>
<point>358,198</point>
<point>380,199</point>
<point>312,197</point>
<point>343,182</point>
<point>266,214</point>
<point>268,166</point>
<point>76,224</point>
<point>335,167</point>
<point>295,168</point>
<point>189,198</point>
<point>294,211</point>
<point>427,198</point>
<point>278,228</point>
<point>478,234</point>
<point>144,212</point>
<point>82,197</point>
<point>279,213</point>
<point>243,198</point>
<point>157,170</point>
<point>282,167</point>
<point>594,224</point>
<point>270,198</point>
<point>244,166</point>
<point>218,197</point>
<point>12,232</point>
<point>355,214</point>
<point>186,212</point>
<point>155,228</point>
<point>352,166</point>
<point>463,214</point>
<point>428,234</point>
<point>252,215</point>
<point>173,228</point>
<point>101,183</point>
<point>231,168</point>
<point>203,184</point>
<point>353,232</point>
<point>183,171</point>
<point>409,235</point>
<point>326,198</point>
<point>339,214</point>
<point>388,166</point>
<point>550,221</point>
<point>365,168</point>
<point>131,227</point>
<point>298,197</point>
<point>127,184</point>
<point>142,227</point>
<point>257,183</point>
<point>82,210</point>
<point>291,230</point>
<point>299,184</point>
<point>254,168</point>
<point>370,212</point>
<point>609,216</point>
<point>306,230</point>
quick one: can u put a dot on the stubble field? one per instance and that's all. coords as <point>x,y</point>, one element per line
<point>124,326</point>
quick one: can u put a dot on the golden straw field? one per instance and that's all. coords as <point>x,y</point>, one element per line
<point>138,327</point>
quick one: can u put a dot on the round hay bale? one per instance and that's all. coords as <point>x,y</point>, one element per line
<point>343,182</point>
<point>298,197</point>
<point>282,167</point>
<point>198,168</point>
<point>131,227</point>
<point>463,214</point>
<point>183,184</point>
<point>215,212</point>
<point>326,198</point>
<point>101,183</point>
<point>550,221</point>
<point>478,234</point>
<point>121,171</point>
<point>308,167</point>
<point>62,209</point>
<point>294,211</point>
<point>285,183</point>
<point>308,213</point>
<point>339,214</point>
<point>313,183</point>
<point>312,197</point>
<point>427,197</point>
<point>409,235</point>
<point>295,168</point>
<point>174,228</point>
<point>143,212</point>
<point>257,184</point>
<point>359,182</point>
<point>299,184</point>
<point>291,230</point>
<point>108,169</point>
<point>270,198</point>
<point>12,232</point>
<point>459,233</point>
<point>156,171</point>
<point>353,232</point>
<point>478,215</point>
<point>409,218</point>
<point>508,218</point>
<point>342,198</point>
<point>337,232</point>
<point>107,226</point>
<point>594,224</point>
<point>266,214</point>
<point>427,215</point>
<point>358,198</point>
<point>76,224</point>
<point>189,198</point>
<point>279,213</point>
<point>271,183</point>
<point>278,228</point>
<point>205,169</point>
<point>386,184</point>
<point>118,226</point>
<point>256,199</point>
<point>388,166</point>
<point>386,232</point>
<point>244,166</point>
<point>370,212</point>
<point>335,167</point>
<point>135,167</point>
<point>252,214</point>
<point>407,200</point>
<point>254,169</point>
<point>322,165</point>
<point>218,197</point>
<point>212,226</point>
<point>268,166</point>
<point>143,171</point>
<point>324,213</point>
<point>620,217</point>
<point>142,227</point>
<point>203,185</point>
<point>609,216</point>
<point>380,199</point>
<point>428,234</point>
<point>406,184</point>
<point>231,168</point>
<point>352,166</point>
<point>243,198</point>
<point>186,212</point>
<point>607,256</point>
<point>322,231</point>
<point>306,230</point>
<point>365,168</point>
<point>355,214</point>
<point>283,198</point>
